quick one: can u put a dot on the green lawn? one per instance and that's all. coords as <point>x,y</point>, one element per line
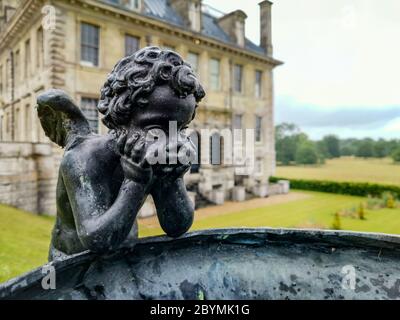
<point>24,237</point>
<point>346,169</point>
<point>315,211</point>
<point>24,241</point>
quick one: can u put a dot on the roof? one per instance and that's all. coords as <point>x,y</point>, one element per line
<point>160,10</point>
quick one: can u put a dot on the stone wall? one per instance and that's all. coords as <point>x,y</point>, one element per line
<point>281,187</point>
<point>28,176</point>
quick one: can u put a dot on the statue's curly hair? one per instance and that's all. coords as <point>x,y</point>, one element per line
<point>132,79</point>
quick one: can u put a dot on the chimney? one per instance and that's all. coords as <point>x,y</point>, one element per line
<point>234,25</point>
<point>265,27</point>
<point>190,11</point>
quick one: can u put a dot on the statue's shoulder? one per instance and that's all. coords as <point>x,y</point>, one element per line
<point>87,153</point>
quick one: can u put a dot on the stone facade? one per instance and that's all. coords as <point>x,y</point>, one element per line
<point>27,176</point>
<point>41,48</point>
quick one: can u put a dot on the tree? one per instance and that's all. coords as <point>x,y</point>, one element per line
<point>346,151</point>
<point>380,149</point>
<point>365,149</point>
<point>331,143</point>
<point>306,154</point>
<point>348,147</point>
<point>287,139</point>
<point>392,145</point>
<point>396,155</point>
<point>322,149</point>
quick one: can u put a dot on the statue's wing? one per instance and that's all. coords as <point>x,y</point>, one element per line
<point>60,116</point>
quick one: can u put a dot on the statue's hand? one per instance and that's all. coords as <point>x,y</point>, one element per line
<point>184,152</point>
<point>133,157</point>
<point>169,172</point>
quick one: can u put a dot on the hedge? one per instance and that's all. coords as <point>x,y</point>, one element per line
<point>351,188</point>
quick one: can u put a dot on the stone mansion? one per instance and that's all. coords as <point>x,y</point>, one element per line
<point>73,45</point>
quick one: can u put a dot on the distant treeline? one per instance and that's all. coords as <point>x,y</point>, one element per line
<point>294,147</point>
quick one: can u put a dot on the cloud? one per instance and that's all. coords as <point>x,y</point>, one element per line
<point>338,53</point>
<point>342,66</point>
<point>314,116</point>
<point>393,126</point>
<point>381,121</point>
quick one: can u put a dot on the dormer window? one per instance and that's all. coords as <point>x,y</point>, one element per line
<point>132,4</point>
<point>135,4</point>
<point>190,11</point>
<point>234,24</point>
<point>194,16</point>
<point>240,36</point>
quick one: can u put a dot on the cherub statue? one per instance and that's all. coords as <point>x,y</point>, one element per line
<point>105,179</point>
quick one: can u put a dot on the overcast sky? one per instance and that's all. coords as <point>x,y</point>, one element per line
<point>342,63</point>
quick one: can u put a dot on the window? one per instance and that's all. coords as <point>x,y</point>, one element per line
<point>28,123</point>
<point>237,77</point>
<point>6,79</point>
<point>39,48</point>
<point>88,106</point>
<point>131,44</point>
<point>193,59</point>
<point>132,4</point>
<point>214,74</point>
<point>237,121</point>
<point>27,62</point>
<point>194,16</point>
<point>17,124</point>
<point>8,122</point>
<point>17,70</point>
<point>89,44</point>
<point>1,124</point>
<point>258,128</point>
<point>258,84</point>
<point>1,80</point>
<point>215,150</point>
<point>240,31</point>
<point>259,167</point>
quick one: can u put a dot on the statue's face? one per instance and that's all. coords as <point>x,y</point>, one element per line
<point>165,106</point>
<point>174,100</point>
<point>150,89</point>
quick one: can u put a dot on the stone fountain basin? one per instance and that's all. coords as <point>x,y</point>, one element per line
<point>228,264</point>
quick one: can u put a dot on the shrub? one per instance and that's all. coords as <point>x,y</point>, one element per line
<point>336,225</point>
<point>388,200</point>
<point>362,189</point>
<point>349,212</point>
<point>361,212</point>
<point>375,203</point>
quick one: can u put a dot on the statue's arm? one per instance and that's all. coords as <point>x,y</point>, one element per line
<point>175,210</point>
<point>102,225</point>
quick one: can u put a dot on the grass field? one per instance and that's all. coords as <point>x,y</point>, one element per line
<point>24,241</point>
<point>382,171</point>
<point>24,237</point>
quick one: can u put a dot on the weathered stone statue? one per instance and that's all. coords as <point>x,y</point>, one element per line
<point>104,179</point>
